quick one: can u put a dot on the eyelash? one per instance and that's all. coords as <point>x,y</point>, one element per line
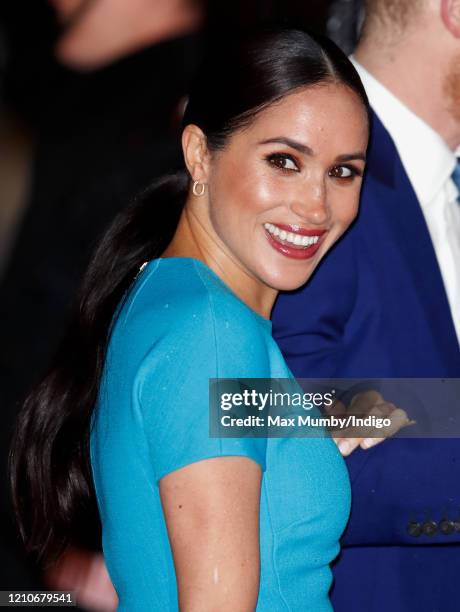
<point>354,172</point>
<point>283,156</point>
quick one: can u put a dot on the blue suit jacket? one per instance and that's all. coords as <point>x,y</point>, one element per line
<point>377,307</point>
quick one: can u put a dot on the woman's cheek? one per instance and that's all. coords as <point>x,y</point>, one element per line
<point>254,193</point>
<point>346,209</point>
<point>267,191</point>
<point>354,207</point>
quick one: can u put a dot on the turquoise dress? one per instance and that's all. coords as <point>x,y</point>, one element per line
<point>179,326</point>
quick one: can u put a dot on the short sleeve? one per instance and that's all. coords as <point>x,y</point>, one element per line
<point>172,386</point>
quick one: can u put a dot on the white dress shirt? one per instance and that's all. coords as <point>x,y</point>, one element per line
<point>429,163</point>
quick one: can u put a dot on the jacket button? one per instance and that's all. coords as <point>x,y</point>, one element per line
<point>414,529</point>
<point>446,527</point>
<point>429,528</point>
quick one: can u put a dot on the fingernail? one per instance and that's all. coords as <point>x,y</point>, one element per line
<point>344,447</point>
<point>369,442</point>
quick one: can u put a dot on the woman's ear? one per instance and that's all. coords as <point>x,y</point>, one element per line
<point>450,15</point>
<point>196,153</point>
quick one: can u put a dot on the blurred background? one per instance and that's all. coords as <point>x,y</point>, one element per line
<point>91,93</point>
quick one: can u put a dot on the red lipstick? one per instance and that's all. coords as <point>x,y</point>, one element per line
<point>296,229</point>
<point>291,250</point>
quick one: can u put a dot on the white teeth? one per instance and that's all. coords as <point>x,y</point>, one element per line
<point>296,239</point>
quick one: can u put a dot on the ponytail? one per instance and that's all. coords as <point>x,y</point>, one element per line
<point>50,473</point>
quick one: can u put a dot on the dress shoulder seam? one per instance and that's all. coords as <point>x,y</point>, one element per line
<point>212,312</point>
<point>144,280</point>
<point>214,332</point>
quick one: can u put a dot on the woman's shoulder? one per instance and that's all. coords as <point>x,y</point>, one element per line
<point>182,292</point>
<point>180,314</point>
<point>169,287</point>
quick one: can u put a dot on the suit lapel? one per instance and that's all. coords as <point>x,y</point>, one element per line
<point>407,224</point>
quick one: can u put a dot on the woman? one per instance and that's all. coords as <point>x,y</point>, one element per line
<point>274,145</point>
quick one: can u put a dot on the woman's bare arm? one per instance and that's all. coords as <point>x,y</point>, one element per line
<point>212,515</point>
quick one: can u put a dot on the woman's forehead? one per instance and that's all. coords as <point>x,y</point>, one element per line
<point>312,112</point>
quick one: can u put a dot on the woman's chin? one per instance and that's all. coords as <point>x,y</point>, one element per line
<point>292,286</point>
<point>286,282</point>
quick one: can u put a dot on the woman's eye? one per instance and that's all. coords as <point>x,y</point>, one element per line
<point>343,172</point>
<point>283,161</point>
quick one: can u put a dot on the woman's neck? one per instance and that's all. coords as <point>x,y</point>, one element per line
<point>192,239</point>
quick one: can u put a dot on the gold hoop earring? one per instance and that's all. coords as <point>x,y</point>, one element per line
<point>194,189</point>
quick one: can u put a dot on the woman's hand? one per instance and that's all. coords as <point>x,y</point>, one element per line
<point>368,403</point>
<point>212,515</point>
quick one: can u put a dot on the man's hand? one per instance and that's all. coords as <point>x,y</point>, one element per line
<point>368,403</point>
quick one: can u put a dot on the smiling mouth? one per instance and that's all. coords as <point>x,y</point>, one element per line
<point>293,241</point>
<point>292,238</point>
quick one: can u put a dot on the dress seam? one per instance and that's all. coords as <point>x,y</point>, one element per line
<point>274,545</point>
<point>213,319</point>
<point>144,279</point>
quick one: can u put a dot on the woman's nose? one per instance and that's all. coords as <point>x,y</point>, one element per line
<point>311,205</point>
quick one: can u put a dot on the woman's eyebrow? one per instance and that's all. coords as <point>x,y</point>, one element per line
<point>306,150</point>
<point>351,156</point>
<point>294,144</point>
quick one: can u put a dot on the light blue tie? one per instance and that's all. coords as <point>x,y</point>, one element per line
<point>456,177</point>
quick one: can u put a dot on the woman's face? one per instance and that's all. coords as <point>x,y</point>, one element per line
<point>285,188</point>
